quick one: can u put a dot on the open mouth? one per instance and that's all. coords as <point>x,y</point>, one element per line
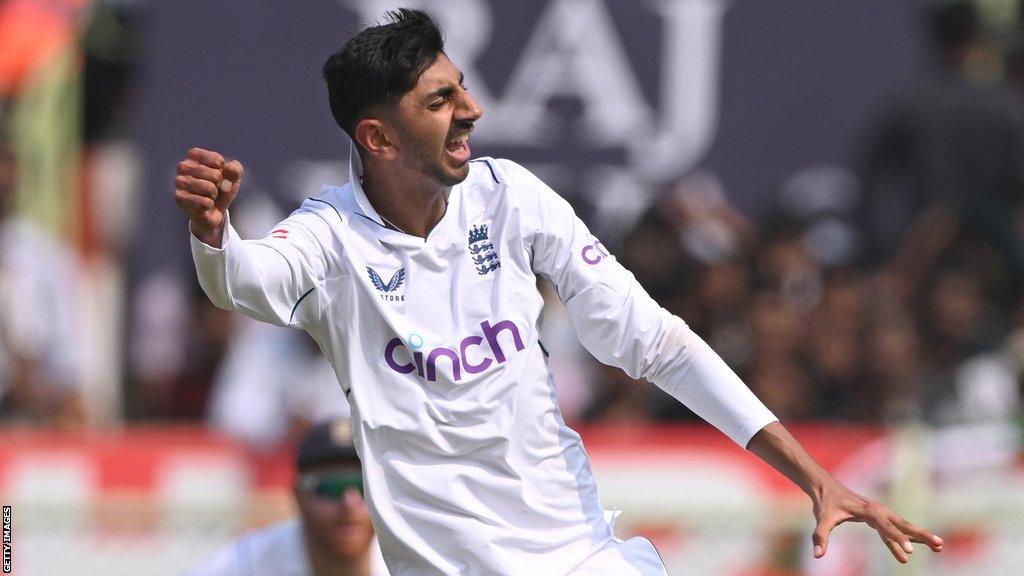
<point>458,148</point>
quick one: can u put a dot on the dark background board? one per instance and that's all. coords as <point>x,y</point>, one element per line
<point>776,88</point>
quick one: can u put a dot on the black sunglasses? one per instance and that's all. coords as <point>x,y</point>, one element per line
<point>331,485</point>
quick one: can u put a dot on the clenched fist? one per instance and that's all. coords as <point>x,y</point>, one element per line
<point>204,187</point>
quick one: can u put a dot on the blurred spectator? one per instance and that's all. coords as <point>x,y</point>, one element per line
<point>712,283</point>
<point>786,268</point>
<point>894,365</point>
<point>40,368</point>
<point>724,292</point>
<point>32,34</point>
<point>256,382</point>
<point>652,252</point>
<point>947,159</point>
<point>618,399</point>
<point>777,372</point>
<point>823,199</point>
<point>835,349</point>
<point>112,45</point>
<point>270,382</point>
<point>1015,67</point>
<point>709,229</point>
<point>959,323</point>
<point>333,534</point>
<point>177,358</point>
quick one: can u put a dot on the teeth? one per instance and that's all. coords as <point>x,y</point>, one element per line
<point>460,139</point>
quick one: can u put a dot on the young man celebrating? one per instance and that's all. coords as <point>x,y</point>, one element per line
<point>418,280</point>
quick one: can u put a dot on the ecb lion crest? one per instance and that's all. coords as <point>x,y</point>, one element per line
<point>482,250</point>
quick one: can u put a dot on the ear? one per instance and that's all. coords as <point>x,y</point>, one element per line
<point>372,135</point>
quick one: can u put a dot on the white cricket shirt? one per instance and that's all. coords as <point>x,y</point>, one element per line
<point>469,466</point>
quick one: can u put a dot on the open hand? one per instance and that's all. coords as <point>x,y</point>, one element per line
<point>836,504</point>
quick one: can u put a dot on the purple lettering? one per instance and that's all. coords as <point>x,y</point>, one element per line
<point>588,259</point>
<point>389,357</point>
<point>464,347</point>
<point>459,356</point>
<point>418,358</point>
<point>432,368</point>
<point>491,333</point>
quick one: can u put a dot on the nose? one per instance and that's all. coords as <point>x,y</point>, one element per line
<point>470,110</point>
<point>352,498</point>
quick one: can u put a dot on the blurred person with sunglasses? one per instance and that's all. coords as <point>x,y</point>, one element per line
<point>332,536</point>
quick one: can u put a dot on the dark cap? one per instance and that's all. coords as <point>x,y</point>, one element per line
<point>327,443</point>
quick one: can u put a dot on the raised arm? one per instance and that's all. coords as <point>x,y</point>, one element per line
<point>275,279</point>
<point>833,502</point>
<point>204,188</point>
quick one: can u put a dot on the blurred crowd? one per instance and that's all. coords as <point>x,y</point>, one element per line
<point>884,292</point>
<point>888,292</point>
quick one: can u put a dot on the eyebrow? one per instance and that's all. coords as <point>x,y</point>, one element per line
<point>446,91</point>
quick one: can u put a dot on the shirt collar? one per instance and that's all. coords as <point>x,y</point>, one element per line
<point>355,177</point>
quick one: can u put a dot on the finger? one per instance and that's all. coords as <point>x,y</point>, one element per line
<point>196,186</point>
<point>917,533</point>
<point>200,171</point>
<point>233,173</point>
<point>889,531</point>
<point>895,549</point>
<point>192,203</point>
<point>206,157</point>
<point>821,534</point>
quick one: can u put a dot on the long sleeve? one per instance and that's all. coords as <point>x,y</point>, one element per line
<point>273,280</point>
<point>621,325</point>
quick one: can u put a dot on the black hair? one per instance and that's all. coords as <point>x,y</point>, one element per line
<point>380,64</point>
<point>953,24</point>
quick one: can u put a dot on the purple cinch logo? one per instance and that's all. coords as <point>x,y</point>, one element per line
<point>458,356</point>
<point>594,252</point>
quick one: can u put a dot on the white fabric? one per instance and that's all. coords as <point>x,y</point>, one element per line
<point>269,378</point>
<point>277,550</point>
<point>634,557</point>
<point>37,306</point>
<point>469,465</point>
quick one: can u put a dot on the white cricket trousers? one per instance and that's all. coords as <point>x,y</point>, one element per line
<point>633,557</point>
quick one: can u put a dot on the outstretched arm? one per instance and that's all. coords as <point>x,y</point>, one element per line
<point>833,502</point>
<point>622,326</point>
<point>682,364</point>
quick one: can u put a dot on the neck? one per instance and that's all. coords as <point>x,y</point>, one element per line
<point>414,206</point>
<point>324,563</point>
